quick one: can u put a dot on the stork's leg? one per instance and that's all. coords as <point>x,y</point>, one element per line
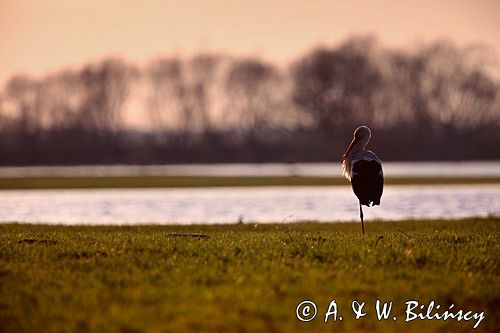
<point>361,216</point>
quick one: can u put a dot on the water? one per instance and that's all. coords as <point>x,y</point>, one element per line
<point>227,205</point>
<point>391,169</point>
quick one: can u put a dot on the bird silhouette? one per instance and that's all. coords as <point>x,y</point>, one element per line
<point>364,169</point>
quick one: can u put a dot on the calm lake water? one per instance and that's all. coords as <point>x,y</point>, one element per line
<point>227,205</point>
<point>391,169</point>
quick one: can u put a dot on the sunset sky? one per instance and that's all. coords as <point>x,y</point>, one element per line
<point>40,36</point>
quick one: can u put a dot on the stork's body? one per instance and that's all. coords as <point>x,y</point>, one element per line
<point>364,169</point>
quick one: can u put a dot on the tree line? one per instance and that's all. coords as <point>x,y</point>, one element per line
<point>434,102</point>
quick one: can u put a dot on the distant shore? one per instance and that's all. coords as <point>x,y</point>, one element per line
<point>62,182</point>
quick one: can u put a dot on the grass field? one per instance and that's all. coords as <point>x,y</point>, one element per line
<point>245,278</point>
<point>199,181</point>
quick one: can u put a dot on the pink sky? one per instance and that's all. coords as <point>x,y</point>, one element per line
<point>39,36</point>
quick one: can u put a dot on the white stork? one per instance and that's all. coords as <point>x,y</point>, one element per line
<point>364,169</point>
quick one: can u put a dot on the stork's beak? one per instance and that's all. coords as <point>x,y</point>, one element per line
<point>353,142</point>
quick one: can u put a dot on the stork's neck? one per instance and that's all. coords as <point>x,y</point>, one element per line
<point>359,146</point>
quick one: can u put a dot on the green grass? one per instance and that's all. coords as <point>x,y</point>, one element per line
<point>244,278</point>
<point>199,181</point>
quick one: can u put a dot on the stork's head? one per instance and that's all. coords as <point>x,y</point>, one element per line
<point>362,134</point>
<point>361,138</point>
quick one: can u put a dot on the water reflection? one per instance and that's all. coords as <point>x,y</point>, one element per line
<point>226,205</point>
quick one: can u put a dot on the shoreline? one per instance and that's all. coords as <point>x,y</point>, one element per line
<point>63,182</point>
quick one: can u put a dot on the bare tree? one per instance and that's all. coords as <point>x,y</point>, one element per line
<point>203,88</point>
<point>454,87</point>
<point>336,86</point>
<point>166,90</point>
<point>250,89</point>
<point>21,95</point>
<point>106,88</point>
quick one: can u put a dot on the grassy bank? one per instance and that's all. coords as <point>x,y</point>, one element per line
<point>244,277</point>
<point>198,181</point>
